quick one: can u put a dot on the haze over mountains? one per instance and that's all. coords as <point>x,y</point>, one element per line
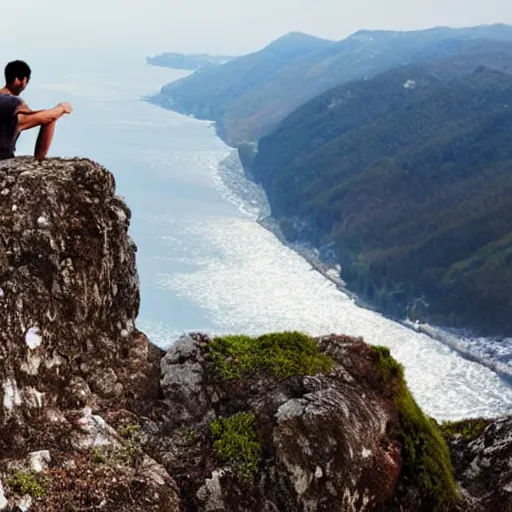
<point>250,95</point>
<point>191,62</point>
<point>390,152</point>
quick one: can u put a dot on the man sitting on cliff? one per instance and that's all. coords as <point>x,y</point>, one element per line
<point>16,116</point>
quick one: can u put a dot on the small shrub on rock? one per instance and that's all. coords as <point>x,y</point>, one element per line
<point>23,482</point>
<point>468,429</point>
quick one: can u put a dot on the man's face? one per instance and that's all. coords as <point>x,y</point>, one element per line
<point>18,86</point>
<point>23,84</point>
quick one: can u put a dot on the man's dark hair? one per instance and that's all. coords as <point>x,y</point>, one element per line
<point>16,69</point>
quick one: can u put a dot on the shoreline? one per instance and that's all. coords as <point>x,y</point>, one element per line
<point>437,333</point>
<point>452,341</point>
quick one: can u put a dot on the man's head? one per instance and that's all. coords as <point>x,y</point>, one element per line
<point>17,75</point>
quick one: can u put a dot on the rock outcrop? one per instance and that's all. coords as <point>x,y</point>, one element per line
<point>329,441</point>
<point>93,417</point>
<point>69,297</point>
<point>482,459</point>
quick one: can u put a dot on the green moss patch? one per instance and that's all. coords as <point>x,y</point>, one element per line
<point>236,442</point>
<point>467,429</point>
<point>427,460</point>
<point>128,431</point>
<point>26,482</point>
<point>128,454</point>
<point>278,354</point>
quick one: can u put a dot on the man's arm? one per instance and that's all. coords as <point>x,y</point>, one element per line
<point>28,119</point>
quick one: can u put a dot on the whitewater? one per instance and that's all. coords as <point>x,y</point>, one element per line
<point>206,264</point>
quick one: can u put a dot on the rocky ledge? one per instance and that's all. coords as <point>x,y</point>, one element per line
<point>94,417</point>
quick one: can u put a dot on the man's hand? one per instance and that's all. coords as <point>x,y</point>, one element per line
<point>66,107</point>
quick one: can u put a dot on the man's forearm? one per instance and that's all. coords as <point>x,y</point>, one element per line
<point>50,115</point>
<point>30,119</point>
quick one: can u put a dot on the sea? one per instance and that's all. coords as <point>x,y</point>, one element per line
<point>204,261</point>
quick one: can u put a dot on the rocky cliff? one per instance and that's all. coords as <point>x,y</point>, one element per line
<point>69,296</point>
<point>93,417</point>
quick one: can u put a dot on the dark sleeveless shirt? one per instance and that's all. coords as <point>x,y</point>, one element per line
<point>8,125</point>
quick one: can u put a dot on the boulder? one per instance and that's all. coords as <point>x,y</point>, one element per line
<point>245,433</point>
<point>482,458</point>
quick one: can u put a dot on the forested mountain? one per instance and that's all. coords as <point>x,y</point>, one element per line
<point>250,95</point>
<point>406,179</point>
<point>389,151</point>
<point>208,93</point>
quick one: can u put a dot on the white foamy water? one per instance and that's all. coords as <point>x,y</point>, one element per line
<point>254,284</point>
<point>205,264</point>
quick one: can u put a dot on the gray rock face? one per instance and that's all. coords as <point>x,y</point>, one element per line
<point>329,445</point>
<point>3,500</point>
<point>69,350</point>
<point>484,465</point>
<point>183,382</point>
<point>70,291</point>
<point>326,438</point>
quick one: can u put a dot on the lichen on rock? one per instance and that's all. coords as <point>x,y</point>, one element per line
<point>70,286</point>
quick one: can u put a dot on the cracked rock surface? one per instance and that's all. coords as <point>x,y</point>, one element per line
<point>69,349</point>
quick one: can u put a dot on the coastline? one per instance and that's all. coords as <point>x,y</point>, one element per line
<point>452,341</point>
<point>332,272</point>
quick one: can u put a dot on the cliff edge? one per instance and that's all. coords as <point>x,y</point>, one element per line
<point>69,350</point>
<point>94,417</point>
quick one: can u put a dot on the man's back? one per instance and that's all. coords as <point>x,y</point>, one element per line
<point>8,125</point>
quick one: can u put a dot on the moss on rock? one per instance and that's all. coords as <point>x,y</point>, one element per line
<point>426,455</point>
<point>236,442</point>
<point>27,482</point>
<point>468,429</point>
<point>281,355</point>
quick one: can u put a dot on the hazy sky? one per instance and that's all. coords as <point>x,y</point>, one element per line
<point>230,26</point>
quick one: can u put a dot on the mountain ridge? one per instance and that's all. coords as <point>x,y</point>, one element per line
<point>254,93</point>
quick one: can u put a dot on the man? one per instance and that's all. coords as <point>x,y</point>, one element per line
<point>16,117</point>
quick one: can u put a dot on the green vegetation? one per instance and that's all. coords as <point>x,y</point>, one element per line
<point>190,436</point>
<point>426,456</point>
<point>236,442</point>
<point>33,484</point>
<point>98,456</point>
<point>128,454</point>
<point>129,430</point>
<point>278,354</point>
<point>250,95</point>
<point>468,429</point>
<point>408,188</point>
